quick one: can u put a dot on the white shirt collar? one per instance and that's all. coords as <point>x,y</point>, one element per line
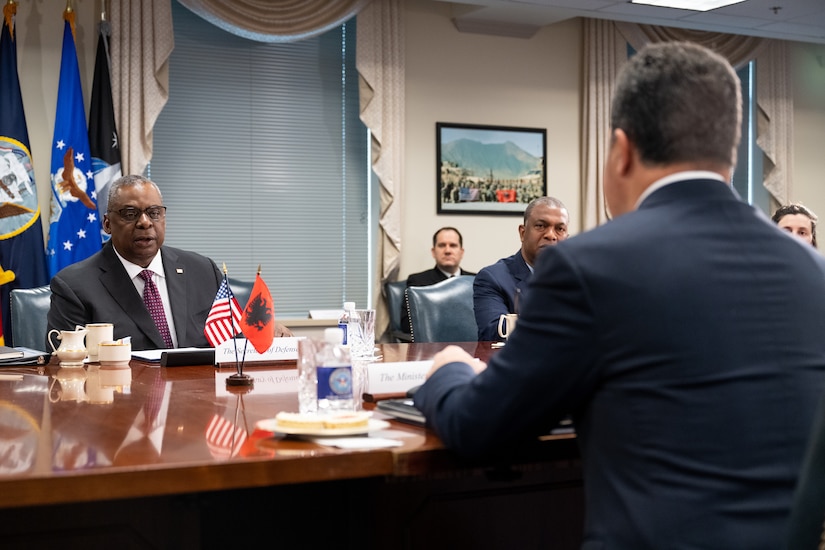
<point>678,176</point>
<point>134,270</point>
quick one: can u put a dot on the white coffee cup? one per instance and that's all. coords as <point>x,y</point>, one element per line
<point>507,324</point>
<point>114,354</point>
<point>97,333</point>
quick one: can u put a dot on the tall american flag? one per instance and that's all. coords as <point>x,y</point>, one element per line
<point>223,321</point>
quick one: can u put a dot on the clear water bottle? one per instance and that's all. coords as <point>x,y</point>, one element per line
<point>334,374</point>
<point>344,321</point>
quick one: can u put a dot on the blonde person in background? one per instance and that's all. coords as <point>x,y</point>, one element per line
<point>797,220</point>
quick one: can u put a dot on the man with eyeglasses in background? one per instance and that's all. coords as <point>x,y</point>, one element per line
<point>113,285</point>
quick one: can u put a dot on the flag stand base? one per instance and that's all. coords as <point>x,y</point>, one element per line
<point>240,380</point>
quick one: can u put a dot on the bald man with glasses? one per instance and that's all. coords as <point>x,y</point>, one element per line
<point>158,295</point>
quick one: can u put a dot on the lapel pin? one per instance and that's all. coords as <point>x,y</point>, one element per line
<point>179,270</point>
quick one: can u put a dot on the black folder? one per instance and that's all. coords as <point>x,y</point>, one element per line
<point>187,357</point>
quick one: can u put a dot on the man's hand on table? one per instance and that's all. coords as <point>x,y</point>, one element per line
<point>453,354</point>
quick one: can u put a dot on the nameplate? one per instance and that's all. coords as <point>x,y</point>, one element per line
<point>282,349</point>
<point>266,381</point>
<point>396,377</point>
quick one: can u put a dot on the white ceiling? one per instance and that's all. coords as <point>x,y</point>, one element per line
<point>799,20</point>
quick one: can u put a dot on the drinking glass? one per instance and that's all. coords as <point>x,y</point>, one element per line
<point>363,334</point>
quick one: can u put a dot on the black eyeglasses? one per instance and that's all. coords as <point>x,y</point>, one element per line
<point>130,213</point>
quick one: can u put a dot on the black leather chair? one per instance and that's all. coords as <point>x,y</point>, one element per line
<point>807,523</point>
<point>241,290</point>
<point>443,312</point>
<point>394,296</point>
<point>29,308</point>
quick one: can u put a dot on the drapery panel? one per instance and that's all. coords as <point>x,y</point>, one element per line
<point>141,43</point>
<point>605,50</point>
<point>380,64</point>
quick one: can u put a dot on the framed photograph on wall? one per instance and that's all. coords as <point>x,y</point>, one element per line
<point>489,170</point>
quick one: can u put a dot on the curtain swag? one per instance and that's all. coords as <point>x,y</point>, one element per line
<point>276,20</point>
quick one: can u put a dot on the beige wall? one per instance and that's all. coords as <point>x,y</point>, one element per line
<point>480,79</point>
<point>451,77</point>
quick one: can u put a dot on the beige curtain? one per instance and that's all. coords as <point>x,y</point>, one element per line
<point>604,52</point>
<point>380,64</point>
<point>774,97</point>
<point>774,94</point>
<point>141,43</point>
<point>737,49</point>
<point>276,20</point>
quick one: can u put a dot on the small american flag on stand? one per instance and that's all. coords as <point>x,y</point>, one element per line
<point>223,321</point>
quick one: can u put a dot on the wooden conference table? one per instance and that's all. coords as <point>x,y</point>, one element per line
<point>75,470</point>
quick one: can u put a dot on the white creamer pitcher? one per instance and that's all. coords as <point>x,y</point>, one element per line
<point>72,350</point>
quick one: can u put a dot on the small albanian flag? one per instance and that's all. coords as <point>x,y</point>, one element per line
<point>258,319</point>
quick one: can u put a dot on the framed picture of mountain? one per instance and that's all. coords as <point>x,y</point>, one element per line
<point>489,170</point>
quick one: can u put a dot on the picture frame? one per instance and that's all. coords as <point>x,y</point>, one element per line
<point>489,170</point>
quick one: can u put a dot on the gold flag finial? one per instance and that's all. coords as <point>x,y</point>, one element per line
<point>8,14</point>
<point>69,15</point>
<point>259,269</point>
<point>224,268</point>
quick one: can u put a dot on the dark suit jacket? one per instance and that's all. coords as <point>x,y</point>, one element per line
<point>98,290</point>
<point>494,291</point>
<point>688,340</point>
<point>423,278</point>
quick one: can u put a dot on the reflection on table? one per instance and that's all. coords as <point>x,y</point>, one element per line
<point>86,435</point>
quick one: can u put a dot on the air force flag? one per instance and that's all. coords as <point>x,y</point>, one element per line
<point>74,231</point>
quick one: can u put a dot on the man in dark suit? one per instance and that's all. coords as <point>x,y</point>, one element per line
<point>497,288</point>
<point>448,251</point>
<point>109,287</point>
<point>685,336</point>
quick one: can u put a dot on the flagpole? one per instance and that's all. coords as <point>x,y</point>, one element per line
<point>239,378</point>
<point>246,341</point>
<point>231,318</point>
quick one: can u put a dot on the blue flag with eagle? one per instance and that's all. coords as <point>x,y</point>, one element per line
<point>74,228</point>
<point>22,255</point>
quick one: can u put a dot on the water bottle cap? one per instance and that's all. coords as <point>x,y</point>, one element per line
<point>349,306</point>
<point>333,335</point>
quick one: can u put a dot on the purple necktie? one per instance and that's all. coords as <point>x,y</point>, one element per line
<point>151,297</point>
